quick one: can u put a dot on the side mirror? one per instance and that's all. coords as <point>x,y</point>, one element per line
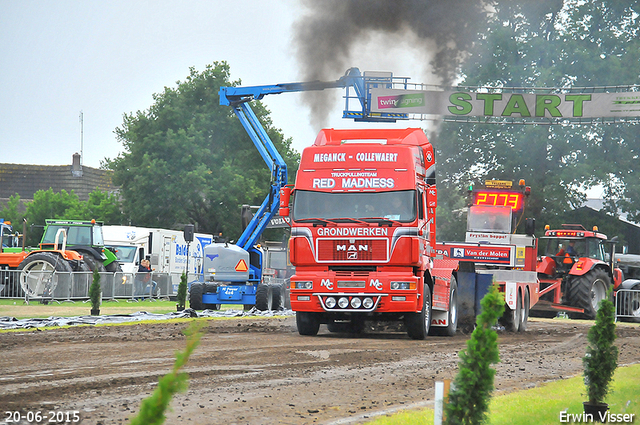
<point>285,196</point>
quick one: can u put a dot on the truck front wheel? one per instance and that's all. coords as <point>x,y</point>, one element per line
<point>587,291</point>
<point>418,324</point>
<point>308,323</point>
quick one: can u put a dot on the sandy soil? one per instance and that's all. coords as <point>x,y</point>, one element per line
<point>260,371</point>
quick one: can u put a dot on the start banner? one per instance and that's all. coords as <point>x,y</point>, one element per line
<point>506,104</point>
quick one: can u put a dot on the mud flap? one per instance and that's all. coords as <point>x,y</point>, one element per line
<point>472,287</point>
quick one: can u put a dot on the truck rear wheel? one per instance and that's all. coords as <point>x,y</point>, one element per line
<point>587,291</point>
<point>450,329</point>
<point>37,277</point>
<point>307,323</point>
<point>195,296</point>
<point>264,298</point>
<point>418,324</point>
<point>511,319</point>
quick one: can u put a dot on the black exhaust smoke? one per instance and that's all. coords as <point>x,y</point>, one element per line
<point>327,36</point>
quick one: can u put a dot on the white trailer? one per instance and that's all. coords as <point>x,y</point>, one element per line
<point>166,249</point>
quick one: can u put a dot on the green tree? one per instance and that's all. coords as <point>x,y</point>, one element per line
<point>48,204</point>
<point>188,160</point>
<point>102,206</point>
<point>11,210</point>
<point>559,44</point>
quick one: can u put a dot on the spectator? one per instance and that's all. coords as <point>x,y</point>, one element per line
<point>143,280</point>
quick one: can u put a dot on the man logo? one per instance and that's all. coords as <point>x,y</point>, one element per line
<point>352,255</point>
<point>376,284</point>
<point>327,283</point>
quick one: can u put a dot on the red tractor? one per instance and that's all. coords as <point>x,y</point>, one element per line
<point>575,270</point>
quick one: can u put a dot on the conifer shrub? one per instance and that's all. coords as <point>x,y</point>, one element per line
<point>182,292</point>
<point>601,359</point>
<point>473,385</point>
<point>94,291</point>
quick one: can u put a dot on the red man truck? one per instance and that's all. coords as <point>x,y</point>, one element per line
<point>362,231</point>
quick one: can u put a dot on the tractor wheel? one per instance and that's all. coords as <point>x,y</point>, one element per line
<point>113,267</point>
<point>587,291</point>
<point>37,277</point>
<point>307,323</point>
<point>82,281</point>
<point>93,263</point>
<point>195,296</point>
<point>264,298</point>
<point>451,328</point>
<point>418,324</point>
<point>511,319</point>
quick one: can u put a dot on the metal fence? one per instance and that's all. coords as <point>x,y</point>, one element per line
<point>628,304</point>
<point>64,286</point>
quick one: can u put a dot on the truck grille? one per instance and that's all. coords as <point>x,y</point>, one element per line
<point>352,250</point>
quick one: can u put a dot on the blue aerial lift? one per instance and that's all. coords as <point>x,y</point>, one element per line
<point>233,272</point>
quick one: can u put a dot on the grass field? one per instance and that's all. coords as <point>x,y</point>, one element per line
<point>20,310</point>
<point>542,405</point>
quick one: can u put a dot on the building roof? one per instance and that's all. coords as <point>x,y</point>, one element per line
<point>26,179</point>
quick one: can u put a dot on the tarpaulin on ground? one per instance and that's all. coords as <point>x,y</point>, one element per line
<point>13,323</point>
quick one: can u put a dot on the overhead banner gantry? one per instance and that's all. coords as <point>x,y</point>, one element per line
<point>576,105</point>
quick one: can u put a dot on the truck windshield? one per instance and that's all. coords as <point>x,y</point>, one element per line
<point>125,254</point>
<point>489,219</point>
<point>398,205</point>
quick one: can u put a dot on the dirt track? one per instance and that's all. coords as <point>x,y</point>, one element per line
<point>259,371</point>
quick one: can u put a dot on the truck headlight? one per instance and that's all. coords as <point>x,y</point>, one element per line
<point>304,285</point>
<point>356,302</point>
<point>330,302</point>
<point>343,302</point>
<point>400,285</point>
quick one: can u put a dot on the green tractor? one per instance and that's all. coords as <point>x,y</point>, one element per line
<point>84,237</point>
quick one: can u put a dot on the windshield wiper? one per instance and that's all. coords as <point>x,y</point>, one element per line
<point>380,220</point>
<point>314,220</point>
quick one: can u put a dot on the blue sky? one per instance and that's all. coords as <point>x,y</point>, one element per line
<point>58,58</point>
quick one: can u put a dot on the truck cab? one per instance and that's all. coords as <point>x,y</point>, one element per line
<point>363,227</point>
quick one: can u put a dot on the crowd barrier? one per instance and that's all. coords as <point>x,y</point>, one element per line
<point>628,304</point>
<point>70,286</point>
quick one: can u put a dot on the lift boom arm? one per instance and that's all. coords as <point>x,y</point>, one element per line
<point>238,98</point>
